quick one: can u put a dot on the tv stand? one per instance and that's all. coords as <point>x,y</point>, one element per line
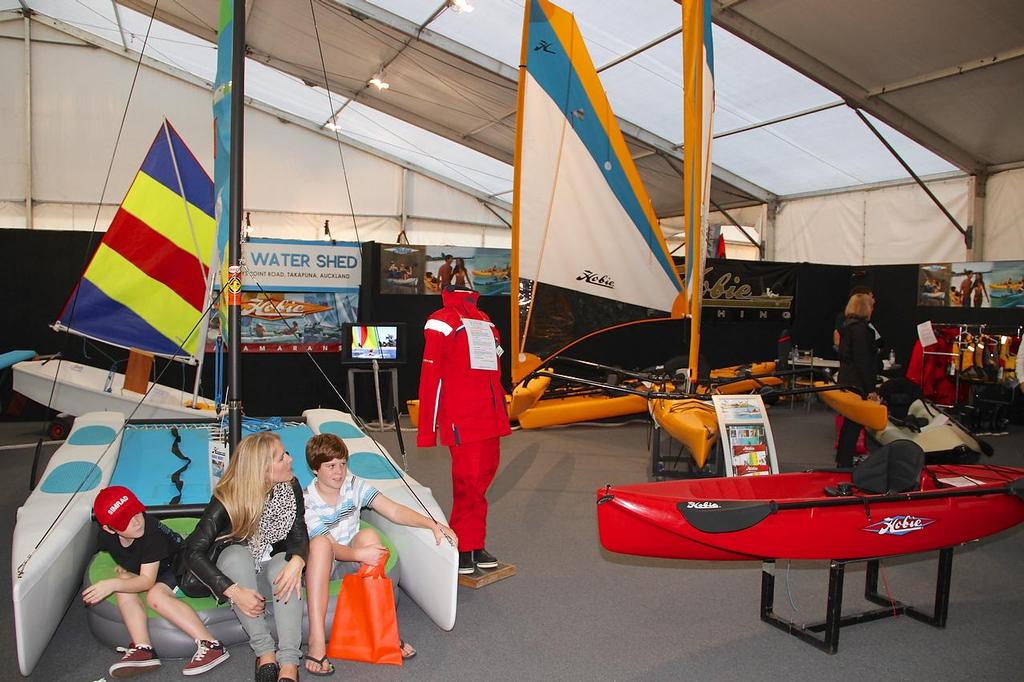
<point>393,371</point>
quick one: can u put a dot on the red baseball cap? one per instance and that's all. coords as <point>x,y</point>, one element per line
<point>115,506</point>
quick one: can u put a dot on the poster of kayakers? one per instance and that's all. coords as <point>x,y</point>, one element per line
<point>933,284</point>
<point>488,271</point>
<point>747,439</point>
<point>401,268</point>
<point>989,284</point>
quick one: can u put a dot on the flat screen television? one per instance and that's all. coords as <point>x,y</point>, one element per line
<point>362,343</point>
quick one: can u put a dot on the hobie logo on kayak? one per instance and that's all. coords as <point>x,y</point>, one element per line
<point>898,525</point>
<point>592,278</point>
<point>703,505</point>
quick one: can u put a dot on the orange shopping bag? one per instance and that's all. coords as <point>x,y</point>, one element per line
<point>365,626</point>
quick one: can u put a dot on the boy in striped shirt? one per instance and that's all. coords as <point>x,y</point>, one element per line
<point>333,502</point>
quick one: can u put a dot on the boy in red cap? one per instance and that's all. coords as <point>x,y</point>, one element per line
<point>145,551</point>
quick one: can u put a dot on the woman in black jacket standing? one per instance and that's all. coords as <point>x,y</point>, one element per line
<point>258,517</point>
<point>858,364</point>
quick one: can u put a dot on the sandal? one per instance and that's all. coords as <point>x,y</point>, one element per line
<point>322,662</point>
<point>402,644</point>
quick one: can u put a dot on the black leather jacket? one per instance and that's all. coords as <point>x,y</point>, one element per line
<point>215,522</point>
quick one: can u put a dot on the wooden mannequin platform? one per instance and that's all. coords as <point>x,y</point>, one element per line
<point>485,576</point>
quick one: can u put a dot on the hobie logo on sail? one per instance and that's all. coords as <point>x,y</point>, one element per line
<point>592,278</point>
<point>703,505</point>
<point>899,525</point>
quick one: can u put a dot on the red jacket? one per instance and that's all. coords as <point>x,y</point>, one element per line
<point>463,404</point>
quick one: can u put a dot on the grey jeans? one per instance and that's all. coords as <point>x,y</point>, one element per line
<point>236,563</point>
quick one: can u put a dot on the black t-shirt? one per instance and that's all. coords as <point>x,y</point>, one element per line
<point>158,543</point>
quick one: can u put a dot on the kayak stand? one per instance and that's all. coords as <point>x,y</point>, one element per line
<point>828,640</point>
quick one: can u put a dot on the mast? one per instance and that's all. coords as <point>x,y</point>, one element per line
<point>698,110</point>
<point>518,356</point>
<point>234,384</point>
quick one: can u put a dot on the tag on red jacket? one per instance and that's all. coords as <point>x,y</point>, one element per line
<point>482,353</point>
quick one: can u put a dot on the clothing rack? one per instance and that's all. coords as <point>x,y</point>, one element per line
<point>966,349</point>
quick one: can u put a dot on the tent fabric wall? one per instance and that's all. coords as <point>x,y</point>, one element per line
<point>293,177</point>
<point>827,229</point>
<point>1004,216</point>
<point>887,225</point>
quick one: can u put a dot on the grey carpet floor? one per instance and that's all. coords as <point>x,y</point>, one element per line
<point>575,611</point>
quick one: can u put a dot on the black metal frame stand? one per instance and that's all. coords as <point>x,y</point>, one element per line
<point>828,641</point>
<point>663,467</point>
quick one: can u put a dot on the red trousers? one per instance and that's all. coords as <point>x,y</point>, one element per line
<point>473,469</point>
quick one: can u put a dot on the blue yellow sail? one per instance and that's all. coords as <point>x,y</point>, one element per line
<point>146,285</point>
<point>587,249</point>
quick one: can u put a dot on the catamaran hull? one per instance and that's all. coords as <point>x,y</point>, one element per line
<point>80,389</point>
<point>556,411</point>
<point>58,521</point>
<point>651,519</point>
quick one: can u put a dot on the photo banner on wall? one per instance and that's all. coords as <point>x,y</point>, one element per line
<point>749,291</point>
<point>982,284</point>
<point>296,295</point>
<point>408,269</point>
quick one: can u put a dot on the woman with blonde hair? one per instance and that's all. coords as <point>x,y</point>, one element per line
<point>858,362</point>
<point>255,525</point>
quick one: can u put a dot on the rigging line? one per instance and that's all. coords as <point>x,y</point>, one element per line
<point>199,19</point>
<point>337,137</point>
<point>86,257</point>
<point>184,200</point>
<point>444,162</point>
<point>355,417</point>
<point>106,450</point>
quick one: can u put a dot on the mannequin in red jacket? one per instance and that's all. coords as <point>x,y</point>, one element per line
<point>461,399</point>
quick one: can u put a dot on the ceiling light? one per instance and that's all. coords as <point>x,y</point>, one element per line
<point>460,6</point>
<point>378,81</point>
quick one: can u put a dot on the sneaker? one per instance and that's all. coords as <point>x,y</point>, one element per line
<point>137,659</point>
<point>483,559</point>
<point>466,565</point>
<point>209,654</point>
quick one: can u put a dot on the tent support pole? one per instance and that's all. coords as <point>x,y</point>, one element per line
<point>28,120</point>
<point>760,247</point>
<point>969,232</point>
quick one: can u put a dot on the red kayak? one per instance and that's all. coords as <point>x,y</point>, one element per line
<point>814,515</point>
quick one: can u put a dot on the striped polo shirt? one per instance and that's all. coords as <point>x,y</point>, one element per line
<point>341,521</point>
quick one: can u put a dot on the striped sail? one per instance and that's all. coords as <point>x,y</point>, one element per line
<point>698,112</point>
<point>146,286</point>
<point>587,250</point>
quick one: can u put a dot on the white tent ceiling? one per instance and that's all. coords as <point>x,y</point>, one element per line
<point>944,73</point>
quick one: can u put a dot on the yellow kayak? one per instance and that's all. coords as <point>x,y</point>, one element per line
<point>526,395</point>
<point>868,413</point>
<point>735,371</point>
<point>690,421</point>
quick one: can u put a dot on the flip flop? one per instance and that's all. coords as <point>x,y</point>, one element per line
<point>320,662</point>
<point>401,645</point>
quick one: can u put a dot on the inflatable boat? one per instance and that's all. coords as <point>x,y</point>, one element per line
<point>813,515</point>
